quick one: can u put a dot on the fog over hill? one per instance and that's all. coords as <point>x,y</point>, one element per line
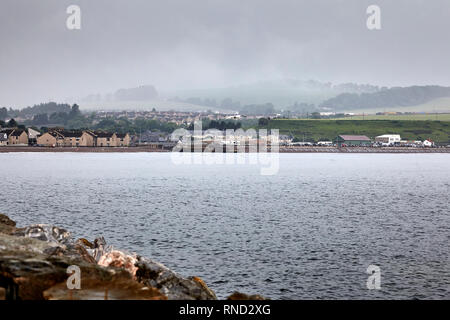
<point>387,98</point>
<point>270,96</point>
<point>182,46</point>
<point>280,93</point>
<point>141,93</point>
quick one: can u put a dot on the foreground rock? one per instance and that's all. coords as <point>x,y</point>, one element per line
<point>156,275</point>
<point>34,262</point>
<point>29,272</point>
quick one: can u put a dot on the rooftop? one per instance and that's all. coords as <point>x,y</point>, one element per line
<point>352,138</point>
<point>71,134</point>
<point>101,134</point>
<point>7,131</point>
<point>12,132</point>
<point>389,135</point>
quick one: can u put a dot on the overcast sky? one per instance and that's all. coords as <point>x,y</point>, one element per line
<point>183,44</point>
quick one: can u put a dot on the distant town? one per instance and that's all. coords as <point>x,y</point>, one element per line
<point>157,140</point>
<point>57,126</point>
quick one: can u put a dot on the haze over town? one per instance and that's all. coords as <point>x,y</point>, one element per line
<point>184,47</point>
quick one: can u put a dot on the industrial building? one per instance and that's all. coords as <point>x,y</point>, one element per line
<point>351,140</point>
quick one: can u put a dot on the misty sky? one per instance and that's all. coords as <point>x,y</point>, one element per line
<point>183,44</point>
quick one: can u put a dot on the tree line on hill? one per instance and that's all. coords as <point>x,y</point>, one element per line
<point>124,125</point>
<point>70,117</point>
<point>43,108</point>
<point>44,113</point>
<point>387,98</point>
<point>216,124</point>
<point>347,97</point>
<point>11,124</point>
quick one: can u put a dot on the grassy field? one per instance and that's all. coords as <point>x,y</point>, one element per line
<point>316,130</point>
<point>439,117</point>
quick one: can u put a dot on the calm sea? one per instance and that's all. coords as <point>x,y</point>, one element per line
<point>309,231</point>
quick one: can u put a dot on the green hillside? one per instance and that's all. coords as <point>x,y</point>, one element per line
<point>316,130</point>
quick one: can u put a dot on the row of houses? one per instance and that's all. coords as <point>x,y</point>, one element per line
<point>63,138</point>
<point>84,138</point>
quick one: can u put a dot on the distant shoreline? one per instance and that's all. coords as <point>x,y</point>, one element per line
<point>7,149</point>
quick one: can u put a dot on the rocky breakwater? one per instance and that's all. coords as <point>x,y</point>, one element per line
<point>34,263</point>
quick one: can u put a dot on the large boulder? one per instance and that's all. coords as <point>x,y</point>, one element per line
<point>45,232</point>
<point>176,287</point>
<point>59,240</point>
<point>9,243</point>
<point>28,272</point>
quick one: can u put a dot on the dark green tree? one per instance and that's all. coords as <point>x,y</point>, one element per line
<point>12,123</point>
<point>315,115</point>
<point>40,119</point>
<point>75,112</point>
<point>262,122</point>
<point>58,118</point>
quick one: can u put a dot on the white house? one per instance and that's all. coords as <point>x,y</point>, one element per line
<point>33,134</point>
<point>389,139</point>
